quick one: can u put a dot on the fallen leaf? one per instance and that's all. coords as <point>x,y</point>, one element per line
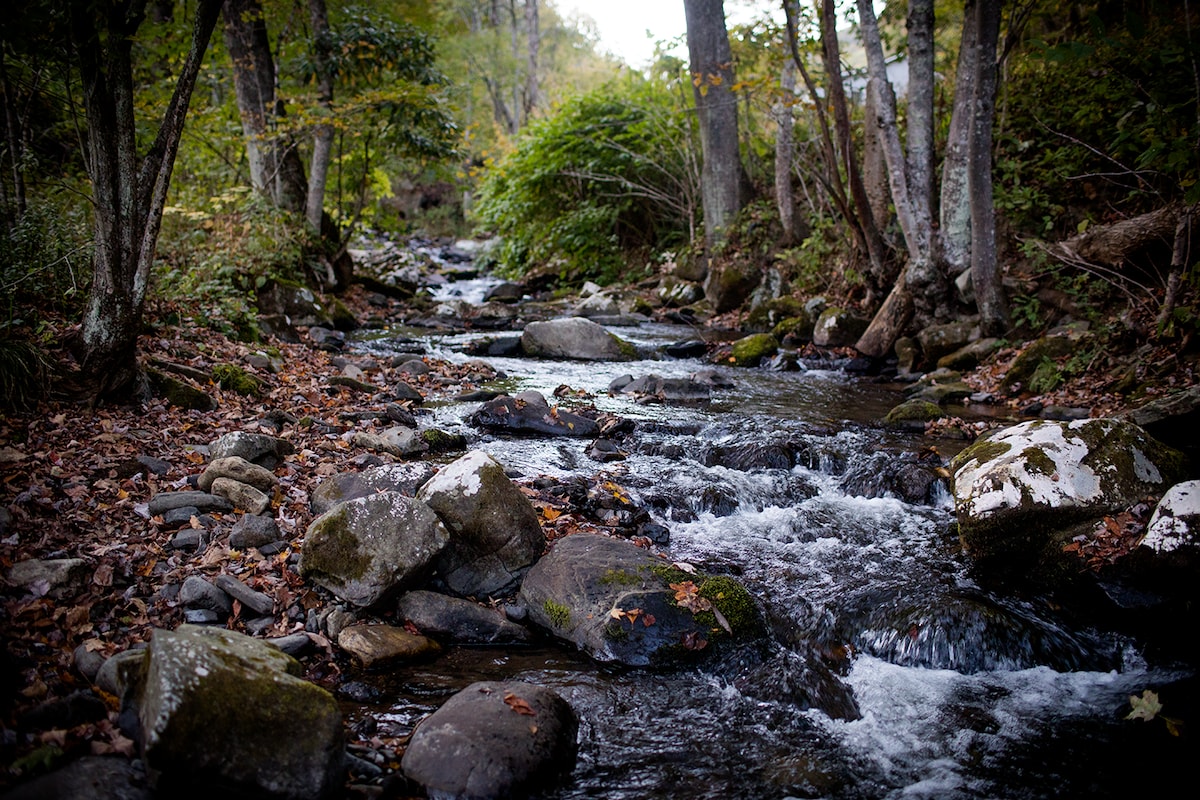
<point>519,705</point>
<point>1145,707</point>
<point>103,576</point>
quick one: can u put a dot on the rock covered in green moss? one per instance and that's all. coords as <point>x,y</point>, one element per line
<point>233,378</point>
<point>913,414</point>
<point>750,350</point>
<point>1023,367</point>
<point>212,707</point>
<point>495,534</point>
<point>179,393</point>
<point>1016,488</point>
<point>367,549</point>
<point>616,602</point>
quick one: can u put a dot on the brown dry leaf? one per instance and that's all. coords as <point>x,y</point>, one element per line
<point>103,576</point>
<point>519,705</point>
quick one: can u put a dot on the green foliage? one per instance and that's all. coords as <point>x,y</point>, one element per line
<point>608,173</point>
<point>44,260</point>
<point>217,253</point>
<point>1105,114</point>
<point>24,372</point>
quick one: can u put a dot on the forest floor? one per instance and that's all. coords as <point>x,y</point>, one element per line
<point>71,486</point>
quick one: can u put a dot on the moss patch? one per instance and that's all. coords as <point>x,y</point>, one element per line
<point>442,442</point>
<point>558,614</point>
<point>233,378</point>
<point>983,451</point>
<point>620,577</point>
<point>332,551</point>
<point>749,351</point>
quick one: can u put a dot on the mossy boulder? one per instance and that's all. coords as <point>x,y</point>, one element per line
<point>1020,491</point>
<point>367,549</point>
<point>495,534</point>
<point>233,378</point>
<point>180,393</point>
<point>619,603</point>
<point>292,302</point>
<point>212,706</point>
<point>1023,367</point>
<point>749,351</point>
<point>913,414</point>
<point>730,283</point>
<point>939,340</point>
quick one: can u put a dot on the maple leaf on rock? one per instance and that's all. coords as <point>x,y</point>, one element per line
<point>519,705</point>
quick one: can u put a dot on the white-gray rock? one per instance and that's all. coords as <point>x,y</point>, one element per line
<point>573,337</point>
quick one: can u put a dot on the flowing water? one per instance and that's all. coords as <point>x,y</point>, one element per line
<point>957,692</point>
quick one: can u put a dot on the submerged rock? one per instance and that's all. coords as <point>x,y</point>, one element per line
<point>493,740</point>
<point>529,413</point>
<point>212,708</point>
<point>1017,490</point>
<point>619,603</point>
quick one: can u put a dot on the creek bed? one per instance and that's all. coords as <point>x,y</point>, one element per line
<point>961,693</point>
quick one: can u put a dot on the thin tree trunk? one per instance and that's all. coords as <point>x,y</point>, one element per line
<point>533,40</point>
<point>832,179</point>
<point>875,173</point>
<point>1179,252</point>
<point>955,206</point>
<point>876,251</point>
<point>128,200</point>
<point>785,147</point>
<point>920,107</point>
<point>275,167</point>
<point>985,273</point>
<point>314,206</point>
<point>15,150</point>
<point>722,178</point>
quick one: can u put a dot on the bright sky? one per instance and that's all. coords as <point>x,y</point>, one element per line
<point>622,24</point>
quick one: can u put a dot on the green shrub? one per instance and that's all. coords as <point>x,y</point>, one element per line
<point>606,175</point>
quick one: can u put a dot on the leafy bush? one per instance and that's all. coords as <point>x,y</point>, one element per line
<point>45,260</point>
<point>1099,116</point>
<point>612,171</point>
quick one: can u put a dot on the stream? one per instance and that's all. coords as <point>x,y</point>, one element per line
<point>960,692</point>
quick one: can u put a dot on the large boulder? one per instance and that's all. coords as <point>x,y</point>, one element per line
<point>529,413</point>
<point>458,620</point>
<point>367,549</point>
<point>940,340</point>
<point>211,709</point>
<point>495,535</point>
<point>493,740</point>
<point>730,283</point>
<point>1020,491</point>
<point>403,478</point>
<point>619,603</point>
<point>573,337</point>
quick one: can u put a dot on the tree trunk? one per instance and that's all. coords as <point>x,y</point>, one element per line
<point>919,285</point>
<point>1179,251</point>
<point>920,107</point>
<point>785,147</point>
<point>722,180</point>
<point>533,40</point>
<point>872,240</point>
<point>985,274</point>
<point>875,174</point>
<point>314,206</point>
<point>955,207</point>
<point>128,200</point>
<point>275,167</point>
